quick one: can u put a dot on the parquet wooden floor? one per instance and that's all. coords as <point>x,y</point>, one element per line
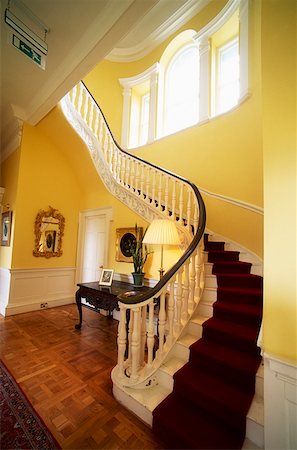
<point>65,373</point>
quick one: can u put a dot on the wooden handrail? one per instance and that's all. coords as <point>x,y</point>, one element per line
<point>151,191</point>
<point>196,239</point>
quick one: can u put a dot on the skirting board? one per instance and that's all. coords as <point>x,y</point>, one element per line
<point>280,410</point>
<point>33,289</point>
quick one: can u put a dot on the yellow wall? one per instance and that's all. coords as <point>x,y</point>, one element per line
<point>44,179</point>
<point>223,156</point>
<point>92,191</point>
<point>279,144</point>
<point>10,172</point>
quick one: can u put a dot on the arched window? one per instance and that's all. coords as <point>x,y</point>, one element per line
<point>181,90</point>
<point>200,75</point>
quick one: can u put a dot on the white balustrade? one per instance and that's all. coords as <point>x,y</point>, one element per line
<point>165,314</point>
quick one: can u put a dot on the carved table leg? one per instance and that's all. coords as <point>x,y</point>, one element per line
<point>78,303</point>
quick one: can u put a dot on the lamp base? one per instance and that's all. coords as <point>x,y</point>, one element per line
<point>161,272</point>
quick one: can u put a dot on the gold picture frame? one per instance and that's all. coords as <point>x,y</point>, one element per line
<point>6,228</point>
<point>124,240</point>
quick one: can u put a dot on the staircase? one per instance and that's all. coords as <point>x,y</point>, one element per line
<point>213,391</point>
<point>178,306</point>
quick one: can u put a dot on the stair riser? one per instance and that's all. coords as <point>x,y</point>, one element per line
<point>231,341</point>
<point>231,374</point>
<point>211,281</point>
<point>195,329</point>
<point>209,295</point>
<point>255,269</point>
<point>210,246</point>
<point>179,442</point>
<point>237,318</point>
<point>259,386</point>
<point>239,282</point>
<point>224,256</point>
<point>165,379</point>
<point>205,309</point>
<point>238,297</point>
<point>255,432</point>
<point>208,269</point>
<point>218,412</point>
<point>234,268</point>
<point>181,352</point>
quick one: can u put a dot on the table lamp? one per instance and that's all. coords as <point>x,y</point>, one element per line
<point>162,232</point>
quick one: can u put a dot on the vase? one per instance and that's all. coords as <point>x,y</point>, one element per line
<point>138,278</point>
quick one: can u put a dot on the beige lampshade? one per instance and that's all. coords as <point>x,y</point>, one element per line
<point>162,231</point>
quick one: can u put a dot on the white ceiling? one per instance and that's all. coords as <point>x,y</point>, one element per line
<point>82,32</point>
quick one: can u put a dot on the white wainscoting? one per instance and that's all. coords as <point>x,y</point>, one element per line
<point>29,288</point>
<point>4,289</point>
<point>280,399</point>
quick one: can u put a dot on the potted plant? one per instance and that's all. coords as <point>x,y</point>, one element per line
<point>139,255</point>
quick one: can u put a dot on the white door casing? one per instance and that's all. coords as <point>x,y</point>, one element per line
<point>93,243</point>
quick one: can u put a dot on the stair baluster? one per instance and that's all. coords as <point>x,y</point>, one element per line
<point>154,193</point>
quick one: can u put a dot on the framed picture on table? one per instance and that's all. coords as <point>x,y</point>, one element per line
<point>106,277</point>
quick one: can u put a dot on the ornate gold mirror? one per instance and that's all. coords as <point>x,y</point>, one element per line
<point>49,230</point>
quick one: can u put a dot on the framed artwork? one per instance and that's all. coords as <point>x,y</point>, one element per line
<point>6,228</point>
<point>50,240</point>
<point>106,277</point>
<point>125,238</point>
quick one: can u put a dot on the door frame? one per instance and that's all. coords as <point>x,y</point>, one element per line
<point>108,213</point>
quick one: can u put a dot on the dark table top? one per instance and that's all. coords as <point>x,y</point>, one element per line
<point>116,288</point>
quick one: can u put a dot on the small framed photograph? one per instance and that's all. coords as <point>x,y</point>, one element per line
<point>106,277</point>
<point>6,228</point>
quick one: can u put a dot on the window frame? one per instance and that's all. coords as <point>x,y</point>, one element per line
<point>219,50</point>
<point>188,45</point>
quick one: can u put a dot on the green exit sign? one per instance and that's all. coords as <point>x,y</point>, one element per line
<point>29,51</point>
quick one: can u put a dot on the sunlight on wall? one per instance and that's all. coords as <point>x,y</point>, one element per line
<point>279,143</point>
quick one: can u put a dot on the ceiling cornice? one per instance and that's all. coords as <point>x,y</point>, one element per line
<point>160,34</point>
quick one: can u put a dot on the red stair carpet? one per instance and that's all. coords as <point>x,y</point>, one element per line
<point>212,393</point>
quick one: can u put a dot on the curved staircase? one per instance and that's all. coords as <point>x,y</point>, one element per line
<point>209,364</point>
<point>213,391</point>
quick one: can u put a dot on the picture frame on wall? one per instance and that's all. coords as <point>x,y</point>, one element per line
<point>106,277</point>
<point>125,237</point>
<point>6,228</point>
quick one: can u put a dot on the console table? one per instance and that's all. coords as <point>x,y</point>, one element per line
<point>103,297</point>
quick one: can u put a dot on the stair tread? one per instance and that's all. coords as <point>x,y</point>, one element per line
<point>221,267</point>
<point>206,388</point>
<point>173,365</point>
<point>224,325</point>
<point>236,295</point>
<point>177,423</point>
<point>187,340</point>
<point>223,255</point>
<point>226,356</point>
<point>243,308</point>
<point>240,280</point>
<point>240,291</point>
